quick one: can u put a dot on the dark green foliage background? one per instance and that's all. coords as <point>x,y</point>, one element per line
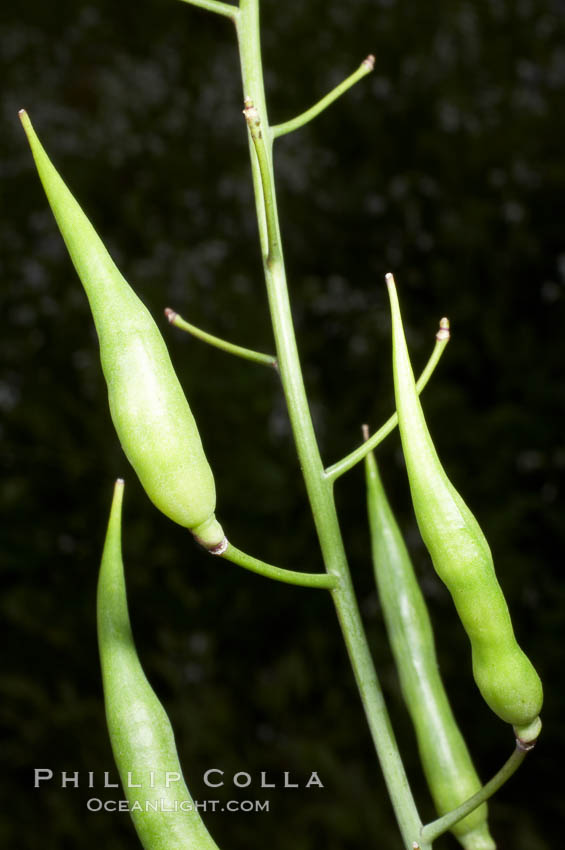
<point>445,166</point>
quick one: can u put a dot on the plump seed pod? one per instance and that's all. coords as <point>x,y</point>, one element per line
<point>148,407</point>
<point>462,558</point>
<point>449,771</point>
<point>140,732</point>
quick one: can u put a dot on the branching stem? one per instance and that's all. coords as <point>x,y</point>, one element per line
<point>364,68</point>
<point>217,342</point>
<point>319,489</point>
<point>437,827</point>
<point>348,462</point>
<point>248,562</point>
<point>224,9</point>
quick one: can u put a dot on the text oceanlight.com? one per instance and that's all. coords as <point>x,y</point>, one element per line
<point>163,791</point>
<point>164,806</point>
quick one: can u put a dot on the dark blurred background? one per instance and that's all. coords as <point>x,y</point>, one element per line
<point>445,166</point>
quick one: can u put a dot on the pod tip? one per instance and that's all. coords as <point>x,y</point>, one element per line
<point>117,499</point>
<point>170,314</point>
<point>24,118</point>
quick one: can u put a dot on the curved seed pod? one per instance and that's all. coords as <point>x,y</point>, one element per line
<point>148,407</point>
<point>449,771</point>
<point>461,557</point>
<point>140,732</point>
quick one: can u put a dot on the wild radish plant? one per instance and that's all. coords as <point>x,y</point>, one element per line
<point>161,440</point>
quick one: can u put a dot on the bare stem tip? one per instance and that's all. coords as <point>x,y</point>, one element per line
<point>365,432</point>
<point>389,278</point>
<point>444,332</point>
<point>369,62</point>
<point>170,314</point>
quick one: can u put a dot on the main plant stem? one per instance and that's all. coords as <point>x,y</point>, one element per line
<point>319,488</point>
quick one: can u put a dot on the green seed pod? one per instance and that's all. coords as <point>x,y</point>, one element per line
<point>447,765</point>
<point>462,559</point>
<point>140,732</point>
<point>148,407</point>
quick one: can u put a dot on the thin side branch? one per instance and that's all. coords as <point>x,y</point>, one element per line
<point>217,342</point>
<point>216,6</point>
<point>437,827</point>
<point>366,66</point>
<point>348,462</point>
<point>236,556</point>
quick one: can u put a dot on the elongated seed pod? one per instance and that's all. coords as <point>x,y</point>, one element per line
<point>447,765</point>
<point>140,732</point>
<point>150,412</point>
<point>462,559</point>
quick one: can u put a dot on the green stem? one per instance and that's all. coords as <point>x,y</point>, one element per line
<point>320,490</point>
<point>222,344</point>
<point>366,66</point>
<point>273,258</point>
<point>348,462</point>
<point>248,562</point>
<point>437,827</point>
<point>216,6</point>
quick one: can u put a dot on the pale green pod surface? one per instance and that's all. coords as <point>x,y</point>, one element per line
<point>140,732</point>
<point>446,761</point>
<point>462,558</point>
<point>149,409</point>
